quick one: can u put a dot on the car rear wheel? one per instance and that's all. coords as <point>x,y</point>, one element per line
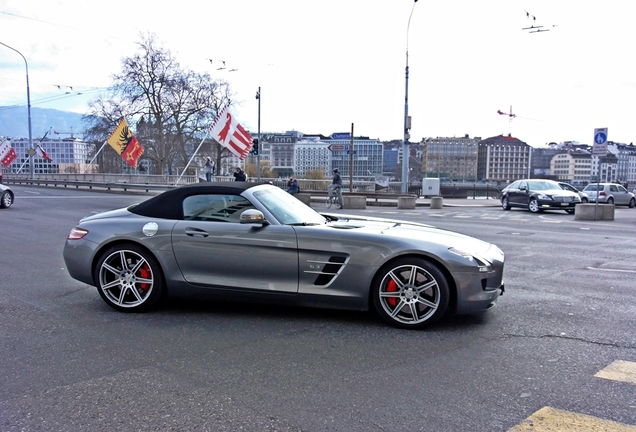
<point>410,293</point>
<point>533,206</point>
<point>505,204</point>
<point>6,200</point>
<point>610,200</point>
<point>129,278</point>
<point>632,203</point>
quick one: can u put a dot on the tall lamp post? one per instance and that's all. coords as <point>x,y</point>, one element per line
<point>31,170</point>
<point>406,154</point>
<point>258,156</point>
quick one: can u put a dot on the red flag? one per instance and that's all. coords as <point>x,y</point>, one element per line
<point>40,151</point>
<point>231,135</point>
<point>7,154</point>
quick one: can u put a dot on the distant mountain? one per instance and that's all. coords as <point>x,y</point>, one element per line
<point>14,122</point>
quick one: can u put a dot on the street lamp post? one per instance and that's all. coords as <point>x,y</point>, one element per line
<point>406,154</point>
<point>258,156</point>
<point>31,169</point>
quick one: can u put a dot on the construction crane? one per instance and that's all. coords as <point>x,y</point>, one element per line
<point>65,133</point>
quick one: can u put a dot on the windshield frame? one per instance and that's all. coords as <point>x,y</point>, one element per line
<point>287,209</point>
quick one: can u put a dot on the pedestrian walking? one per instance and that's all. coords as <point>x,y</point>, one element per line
<point>208,169</point>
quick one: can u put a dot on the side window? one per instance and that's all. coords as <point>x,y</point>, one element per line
<point>613,188</point>
<point>215,208</point>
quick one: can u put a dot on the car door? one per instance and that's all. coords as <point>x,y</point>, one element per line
<point>621,195</point>
<point>213,249</point>
<point>519,195</point>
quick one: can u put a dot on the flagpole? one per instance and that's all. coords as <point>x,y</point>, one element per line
<point>192,157</point>
<point>94,157</point>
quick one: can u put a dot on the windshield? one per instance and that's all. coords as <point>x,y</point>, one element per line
<point>542,185</point>
<point>287,209</point>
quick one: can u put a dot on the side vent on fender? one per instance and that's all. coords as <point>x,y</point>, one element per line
<point>330,269</point>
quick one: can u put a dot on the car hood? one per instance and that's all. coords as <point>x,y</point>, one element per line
<point>412,232</point>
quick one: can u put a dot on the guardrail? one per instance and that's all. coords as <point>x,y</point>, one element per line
<point>148,183</point>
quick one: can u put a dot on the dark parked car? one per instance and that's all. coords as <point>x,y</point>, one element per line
<point>537,195</point>
<point>6,196</point>
<point>245,241</point>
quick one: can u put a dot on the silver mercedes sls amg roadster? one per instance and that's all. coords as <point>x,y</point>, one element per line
<point>248,241</point>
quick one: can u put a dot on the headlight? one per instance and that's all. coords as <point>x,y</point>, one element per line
<point>543,197</point>
<point>482,264</point>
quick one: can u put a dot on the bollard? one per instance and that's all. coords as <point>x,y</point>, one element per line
<point>437,202</point>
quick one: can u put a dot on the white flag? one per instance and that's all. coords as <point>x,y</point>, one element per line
<point>230,134</point>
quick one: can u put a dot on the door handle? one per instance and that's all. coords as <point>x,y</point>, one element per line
<point>196,232</point>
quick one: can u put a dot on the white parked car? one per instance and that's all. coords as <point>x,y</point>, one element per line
<point>610,193</point>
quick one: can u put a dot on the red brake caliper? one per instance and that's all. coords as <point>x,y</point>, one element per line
<point>391,286</point>
<point>144,272</point>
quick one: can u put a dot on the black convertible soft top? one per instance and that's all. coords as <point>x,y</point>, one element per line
<point>168,205</point>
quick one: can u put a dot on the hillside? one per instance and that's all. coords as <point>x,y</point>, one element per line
<point>14,122</point>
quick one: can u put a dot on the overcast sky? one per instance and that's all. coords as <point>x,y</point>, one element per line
<point>323,65</point>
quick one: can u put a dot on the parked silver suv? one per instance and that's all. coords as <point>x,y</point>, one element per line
<point>610,193</point>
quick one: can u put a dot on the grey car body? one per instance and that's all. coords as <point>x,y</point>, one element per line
<point>610,193</point>
<point>6,196</point>
<point>537,195</point>
<point>244,241</point>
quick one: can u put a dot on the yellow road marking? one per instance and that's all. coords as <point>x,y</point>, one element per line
<point>619,370</point>
<point>551,420</point>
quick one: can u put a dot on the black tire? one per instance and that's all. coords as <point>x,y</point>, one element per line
<point>505,204</point>
<point>329,202</point>
<point>533,205</point>
<point>632,203</point>
<point>610,200</point>
<point>6,199</point>
<point>129,278</point>
<point>410,293</point>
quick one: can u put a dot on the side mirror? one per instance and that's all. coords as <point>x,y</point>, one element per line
<point>253,216</point>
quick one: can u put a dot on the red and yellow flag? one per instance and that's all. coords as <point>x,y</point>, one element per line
<point>125,143</point>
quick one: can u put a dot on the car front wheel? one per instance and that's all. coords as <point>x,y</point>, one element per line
<point>533,205</point>
<point>505,204</point>
<point>129,278</point>
<point>6,200</point>
<point>632,203</point>
<point>411,293</point>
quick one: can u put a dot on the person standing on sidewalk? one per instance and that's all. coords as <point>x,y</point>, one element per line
<point>208,169</point>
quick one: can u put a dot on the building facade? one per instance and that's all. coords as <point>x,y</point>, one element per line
<point>453,158</point>
<point>503,159</point>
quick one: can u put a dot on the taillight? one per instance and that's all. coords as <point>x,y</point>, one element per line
<point>77,233</point>
<point>602,193</point>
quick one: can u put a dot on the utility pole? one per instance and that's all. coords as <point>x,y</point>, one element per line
<point>31,150</point>
<point>351,154</point>
<point>258,156</point>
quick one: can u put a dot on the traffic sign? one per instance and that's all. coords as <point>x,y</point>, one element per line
<point>340,135</point>
<point>351,152</point>
<point>600,142</point>
<point>336,147</point>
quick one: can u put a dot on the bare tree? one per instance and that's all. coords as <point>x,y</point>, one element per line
<point>171,107</point>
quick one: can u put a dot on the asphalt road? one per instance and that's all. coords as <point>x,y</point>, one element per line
<point>69,362</point>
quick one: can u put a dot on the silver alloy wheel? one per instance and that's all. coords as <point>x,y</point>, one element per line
<point>126,279</point>
<point>533,206</point>
<point>410,296</point>
<point>6,200</point>
<point>505,204</point>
